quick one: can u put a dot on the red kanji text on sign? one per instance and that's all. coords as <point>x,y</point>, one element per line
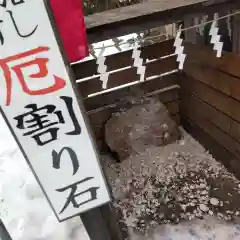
<point>41,62</point>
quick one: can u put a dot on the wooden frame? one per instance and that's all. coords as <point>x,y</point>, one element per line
<point>4,235</point>
<point>193,86</point>
<point>210,102</point>
<point>153,13</point>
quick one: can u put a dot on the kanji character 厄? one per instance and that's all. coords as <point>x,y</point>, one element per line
<point>44,121</point>
<point>41,63</point>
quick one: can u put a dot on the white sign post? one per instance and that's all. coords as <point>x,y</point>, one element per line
<point>38,102</point>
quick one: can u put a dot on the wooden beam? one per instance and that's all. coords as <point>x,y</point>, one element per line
<point>223,82</point>
<point>100,226</point>
<point>153,13</point>
<point>114,97</point>
<point>191,34</point>
<point>4,235</point>
<point>218,151</point>
<point>128,75</point>
<point>217,118</point>
<point>205,55</point>
<point>216,133</point>
<point>216,99</point>
<point>123,59</point>
<point>236,34</point>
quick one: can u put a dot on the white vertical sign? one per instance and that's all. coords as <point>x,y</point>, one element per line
<point>38,102</point>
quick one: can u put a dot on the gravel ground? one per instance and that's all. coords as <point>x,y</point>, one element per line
<point>174,184</point>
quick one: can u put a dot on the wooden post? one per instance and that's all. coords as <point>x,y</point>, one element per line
<point>102,224</point>
<point>224,31</point>
<point>236,34</point>
<point>4,235</point>
<point>191,34</point>
<point>95,225</point>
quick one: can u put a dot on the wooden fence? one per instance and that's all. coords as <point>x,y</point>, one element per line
<point>210,101</point>
<point>207,89</point>
<point>158,59</point>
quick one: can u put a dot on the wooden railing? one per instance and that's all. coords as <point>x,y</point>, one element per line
<point>121,69</point>
<point>150,14</point>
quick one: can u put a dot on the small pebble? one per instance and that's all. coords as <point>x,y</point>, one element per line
<point>220,215</point>
<point>166,136</point>
<point>164,126</point>
<point>204,192</point>
<point>214,201</point>
<point>202,185</point>
<point>210,212</point>
<point>203,207</point>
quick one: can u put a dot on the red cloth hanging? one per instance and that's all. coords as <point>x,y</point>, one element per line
<point>69,18</point>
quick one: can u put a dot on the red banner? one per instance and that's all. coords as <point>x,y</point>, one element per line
<point>70,22</point>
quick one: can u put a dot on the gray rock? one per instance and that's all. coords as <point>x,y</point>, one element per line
<point>141,125</point>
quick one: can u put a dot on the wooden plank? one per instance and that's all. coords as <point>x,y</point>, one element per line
<point>220,81</point>
<point>220,153</point>
<point>176,119</point>
<point>173,107</point>
<point>153,13</point>
<point>217,134</point>
<point>221,102</point>
<point>236,34</point>
<point>228,63</point>
<point>108,229</point>
<point>222,121</point>
<point>191,34</point>
<point>4,235</point>
<point>94,224</point>
<point>160,83</point>
<point>127,76</point>
<point>123,59</point>
<point>146,87</point>
<point>112,98</point>
<point>112,223</point>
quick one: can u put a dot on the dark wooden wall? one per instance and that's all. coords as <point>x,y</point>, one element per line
<point>206,95</point>
<point>210,102</point>
<point>101,106</point>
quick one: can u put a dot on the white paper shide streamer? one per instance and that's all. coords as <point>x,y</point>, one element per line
<point>215,39</point>
<point>138,62</point>
<point>102,69</point>
<point>179,49</point>
<point>202,23</point>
